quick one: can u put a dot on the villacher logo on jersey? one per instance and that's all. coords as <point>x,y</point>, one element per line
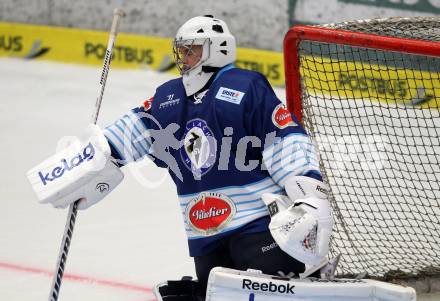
<point>67,165</point>
<point>209,213</point>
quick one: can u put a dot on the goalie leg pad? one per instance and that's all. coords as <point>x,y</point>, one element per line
<point>228,284</point>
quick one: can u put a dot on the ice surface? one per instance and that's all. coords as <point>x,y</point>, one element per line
<point>122,246</point>
<point>133,237</point>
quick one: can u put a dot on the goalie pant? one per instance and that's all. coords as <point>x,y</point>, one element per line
<point>241,251</point>
<point>256,251</point>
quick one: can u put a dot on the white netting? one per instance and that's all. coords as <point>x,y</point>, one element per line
<point>375,116</point>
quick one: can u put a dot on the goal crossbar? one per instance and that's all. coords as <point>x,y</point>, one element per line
<point>344,37</point>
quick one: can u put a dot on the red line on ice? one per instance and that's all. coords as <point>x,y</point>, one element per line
<point>77,278</point>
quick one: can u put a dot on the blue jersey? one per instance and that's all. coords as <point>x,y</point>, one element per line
<point>224,148</point>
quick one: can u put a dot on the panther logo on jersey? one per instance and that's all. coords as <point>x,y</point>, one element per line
<point>199,148</point>
<point>281,117</point>
<point>209,213</point>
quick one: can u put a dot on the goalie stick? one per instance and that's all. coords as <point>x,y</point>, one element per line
<point>73,208</point>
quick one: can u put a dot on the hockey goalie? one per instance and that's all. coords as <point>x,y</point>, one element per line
<point>255,208</point>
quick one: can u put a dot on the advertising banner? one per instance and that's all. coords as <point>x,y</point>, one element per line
<point>88,47</point>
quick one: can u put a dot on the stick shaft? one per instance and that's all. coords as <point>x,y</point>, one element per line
<point>64,250</point>
<point>73,208</point>
<point>117,15</point>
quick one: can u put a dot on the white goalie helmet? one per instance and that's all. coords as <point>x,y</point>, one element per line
<point>301,229</point>
<point>218,46</point>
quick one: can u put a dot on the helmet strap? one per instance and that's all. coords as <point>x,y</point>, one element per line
<point>210,69</point>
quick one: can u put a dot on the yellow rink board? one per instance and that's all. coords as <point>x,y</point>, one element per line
<point>357,80</point>
<point>322,76</point>
<point>82,46</point>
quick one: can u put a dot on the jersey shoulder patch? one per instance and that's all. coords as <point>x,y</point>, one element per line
<point>230,95</point>
<point>148,103</point>
<point>281,117</point>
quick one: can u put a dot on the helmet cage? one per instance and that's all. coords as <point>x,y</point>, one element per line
<point>184,48</point>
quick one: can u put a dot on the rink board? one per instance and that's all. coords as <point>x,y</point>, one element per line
<point>387,83</point>
<point>81,46</point>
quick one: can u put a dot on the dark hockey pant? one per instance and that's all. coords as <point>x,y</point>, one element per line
<point>247,251</point>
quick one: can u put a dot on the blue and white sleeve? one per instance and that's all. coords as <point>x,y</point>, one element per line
<point>288,150</point>
<point>128,137</point>
<point>291,155</point>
